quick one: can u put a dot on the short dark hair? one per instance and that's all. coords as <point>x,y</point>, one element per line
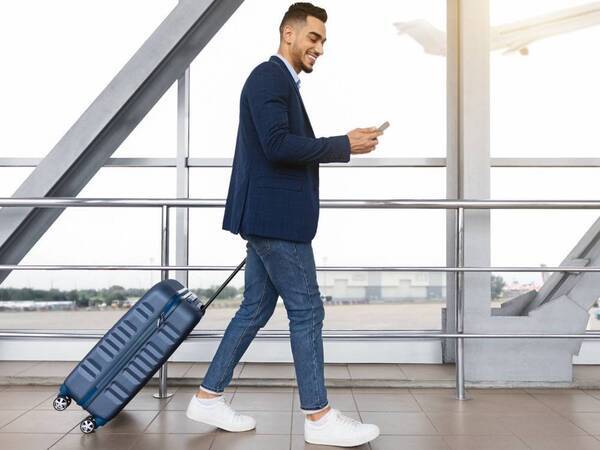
<point>299,11</point>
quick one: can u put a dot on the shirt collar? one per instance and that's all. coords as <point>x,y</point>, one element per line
<point>291,69</point>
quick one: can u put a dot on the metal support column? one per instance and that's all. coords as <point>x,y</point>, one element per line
<point>164,261</point>
<point>459,312</point>
<point>183,176</point>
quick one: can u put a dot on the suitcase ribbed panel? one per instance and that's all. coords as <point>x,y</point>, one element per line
<point>133,350</point>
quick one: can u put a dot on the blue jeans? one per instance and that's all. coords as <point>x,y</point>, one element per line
<point>276,268</point>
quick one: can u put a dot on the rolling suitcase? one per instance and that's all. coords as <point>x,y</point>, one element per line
<point>132,351</point>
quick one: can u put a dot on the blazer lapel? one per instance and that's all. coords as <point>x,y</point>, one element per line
<point>282,66</point>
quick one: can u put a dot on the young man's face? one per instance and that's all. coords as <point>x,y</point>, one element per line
<point>307,43</point>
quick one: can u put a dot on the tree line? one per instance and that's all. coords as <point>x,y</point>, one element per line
<point>86,297</point>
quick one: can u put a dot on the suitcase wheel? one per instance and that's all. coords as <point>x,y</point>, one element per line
<point>61,402</point>
<point>88,425</point>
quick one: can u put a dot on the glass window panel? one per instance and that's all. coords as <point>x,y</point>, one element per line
<point>359,82</point>
<point>341,182</point>
<point>64,64</point>
<point>156,134</point>
<point>96,236</point>
<point>347,238</point>
<point>12,178</point>
<point>539,237</point>
<point>409,301</point>
<point>545,103</point>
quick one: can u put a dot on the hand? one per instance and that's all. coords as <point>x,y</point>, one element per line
<point>363,140</point>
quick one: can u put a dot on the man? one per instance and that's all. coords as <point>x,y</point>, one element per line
<point>273,202</point>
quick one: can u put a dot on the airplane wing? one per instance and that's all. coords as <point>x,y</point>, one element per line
<point>512,37</point>
<point>431,39</point>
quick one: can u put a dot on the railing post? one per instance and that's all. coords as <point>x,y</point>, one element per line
<point>164,274</point>
<point>459,313</point>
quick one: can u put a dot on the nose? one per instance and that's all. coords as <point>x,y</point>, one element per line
<point>319,49</point>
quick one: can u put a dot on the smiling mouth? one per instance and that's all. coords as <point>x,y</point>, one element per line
<point>312,58</point>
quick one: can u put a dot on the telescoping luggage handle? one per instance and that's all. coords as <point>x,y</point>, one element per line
<point>216,294</point>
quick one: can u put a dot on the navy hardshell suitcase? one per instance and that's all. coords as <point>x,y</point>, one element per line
<point>133,350</point>
<point>130,353</point>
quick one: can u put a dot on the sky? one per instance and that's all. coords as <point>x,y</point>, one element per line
<point>543,105</point>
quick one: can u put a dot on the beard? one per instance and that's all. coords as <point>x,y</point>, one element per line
<point>299,55</point>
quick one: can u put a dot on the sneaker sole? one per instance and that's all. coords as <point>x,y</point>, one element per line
<point>220,425</point>
<point>345,443</point>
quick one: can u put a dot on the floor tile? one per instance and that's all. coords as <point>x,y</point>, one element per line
<point>485,443</point>
<point>8,416</point>
<point>262,401</point>
<point>386,402</point>
<point>32,388</point>
<point>428,372</point>
<point>380,390</point>
<point>97,441</point>
<point>505,404</point>
<point>556,391</point>
<point>176,422</point>
<point>570,402</point>
<point>409,443</point>
<point>588,422</point>
<point>264,389</point>
<point>262,371</point>
<point>145,401</point>
<point>50,369</point>
<point>181,399</point>
<point>540,425</point>
<point>198,370</point>
<point>250,441</point>
<point>298,443</point>
<point>446,392</point>
<point>476,392</point>
<point>45,422</point>
<point>562,442</point>
<point>176,369</point>
<point>25,441</point>
<point>174,442</point>
<point>337,371</point>
<point>24,400</point>
<point>271,422</point>
<point>400,422</point>
<point>467,423</point>
<point>12,368</point>
<point>376,372</point>
<point>129,422</point>
<point>341,399</point>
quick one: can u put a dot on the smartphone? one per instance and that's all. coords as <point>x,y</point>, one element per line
<point>383,126</point>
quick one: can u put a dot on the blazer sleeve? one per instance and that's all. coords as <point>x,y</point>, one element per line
<point>267,95</point>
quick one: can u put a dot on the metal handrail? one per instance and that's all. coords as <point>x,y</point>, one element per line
<point>459,270</point>
<point>126,267</point>
<point>60,202</point>
<point>355,334</point>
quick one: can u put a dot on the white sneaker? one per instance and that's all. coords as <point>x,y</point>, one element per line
<point>336,429</point>
<point>218,413</point>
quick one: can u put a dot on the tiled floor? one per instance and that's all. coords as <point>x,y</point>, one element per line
<point>409,418</point>
<point>282,374</point>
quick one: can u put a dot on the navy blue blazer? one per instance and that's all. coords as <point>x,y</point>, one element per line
<point>274,185</point>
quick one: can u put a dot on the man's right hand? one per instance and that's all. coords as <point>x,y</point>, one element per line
<point>363,140</point>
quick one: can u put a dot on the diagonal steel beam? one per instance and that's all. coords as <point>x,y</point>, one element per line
<point>560,283</point>
<point>119,108</point>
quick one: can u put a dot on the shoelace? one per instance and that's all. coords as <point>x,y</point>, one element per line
<point>232,412</point>
<point>345,420</point>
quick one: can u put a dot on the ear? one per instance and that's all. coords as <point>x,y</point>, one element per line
<point>288,33</point>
